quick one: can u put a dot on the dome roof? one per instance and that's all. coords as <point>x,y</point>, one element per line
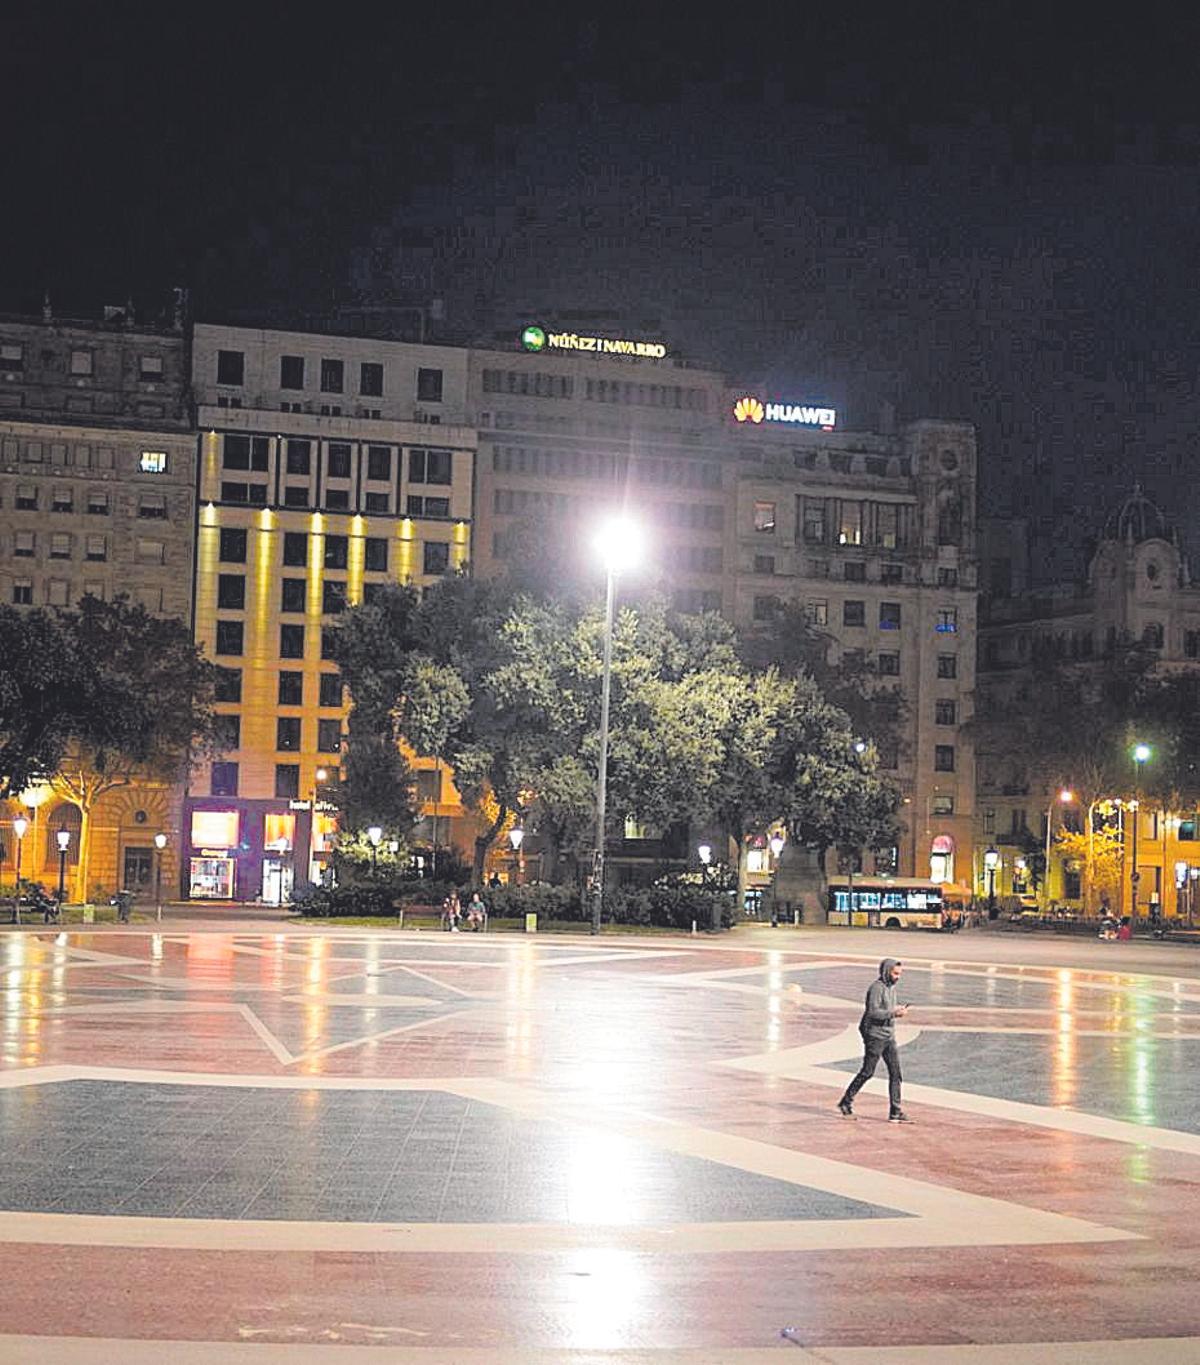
<point>1137,519</point>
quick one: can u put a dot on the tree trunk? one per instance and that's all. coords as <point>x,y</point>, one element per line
<point>85,850</point>
<point>484,841</point>
<point>1089,863</point>
<point>739,846</point>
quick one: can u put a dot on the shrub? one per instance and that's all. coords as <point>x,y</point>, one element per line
<point>667,907</point>
<point>547,902</point>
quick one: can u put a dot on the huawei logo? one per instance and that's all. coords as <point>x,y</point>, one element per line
<point>748,410</point>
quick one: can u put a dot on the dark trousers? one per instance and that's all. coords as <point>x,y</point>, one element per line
<point>874,1048</point>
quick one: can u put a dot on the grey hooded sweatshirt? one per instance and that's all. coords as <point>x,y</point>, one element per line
<point>879,1014</point>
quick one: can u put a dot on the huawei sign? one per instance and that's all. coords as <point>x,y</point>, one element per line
<point>748,410</point>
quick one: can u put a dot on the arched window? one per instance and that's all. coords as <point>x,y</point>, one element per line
<point>62,816</point>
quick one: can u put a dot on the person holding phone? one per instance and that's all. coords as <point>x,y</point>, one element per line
<point>878,1030</point>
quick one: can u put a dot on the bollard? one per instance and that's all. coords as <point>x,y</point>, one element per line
<point>693,926</point>
<point>796,918</point>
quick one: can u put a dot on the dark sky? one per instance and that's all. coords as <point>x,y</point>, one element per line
<point>979,212</point>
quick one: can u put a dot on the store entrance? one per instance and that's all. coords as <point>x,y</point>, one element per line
<point>276,882</point>
<point>139,863</point>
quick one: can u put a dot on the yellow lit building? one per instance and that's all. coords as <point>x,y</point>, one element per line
<point>327,466</point>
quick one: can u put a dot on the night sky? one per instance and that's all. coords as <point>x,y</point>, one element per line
<point>959,212</point>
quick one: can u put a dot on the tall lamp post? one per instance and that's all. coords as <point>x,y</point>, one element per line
<point>705,854</point>
<point>516,837</point>
<point>1141,752</point>
<point>775,844</point>
<point>20,825</point>
<point>374,834</point>
<point>1065,796</point>
<point>64,840</point>
<point>991,861</point>
<point>160,842</point>
<point>619,545</point>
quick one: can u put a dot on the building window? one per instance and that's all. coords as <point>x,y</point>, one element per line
<point>22,592</point>
<point>377,502</point>
<point>429,466</point>
<point>233,545</point>
<point>291,371</point>
<point>96,549</point>
<point>942,803</point>
<point>246,452</point>
<point>12,357</point>
<point>429,386</point>
<point>889,665</point>
<point>947,665</point>
<point>889,616</point>
<point>435,557</point>
<point>943,758</point>
<point>947,621</point>
<point>231,592</point>
<point>1152,636</point>
<point>850,527</point>
<point>332,376</point>
<point>287,733</point>
<point>764,563</point>
<point>337,499</point>
<point>59,591</point>
<point>338,463</point>
<point>27,497</point>
<point>427,507</point>
<point>947,577</point>
<point>24,544</point>
<point>230,636</point>
<point>224,779</point>
<point>293,592</point>
<point>818,568</point>
<point>291,688</point>
<point>291,642</point>
<point>295,495</point>
<point>153,462</point>
<point>370,379</point>
<point>1191,644</point>
<point>764,516</point>
<point>331,689</point>
<point>328,643</point>
<point>93,588</point>
<point>989,820</point>
<point>299,457</point>
<point>379,463</point>
<point>295,549</point>
<point>766,608</point>
<point>375,554</point>
<point>814,521</point>
<point>150,551</point>
<point>891,573</point>
<point>945,712</point>
<point>231,368</point>
<point>83,364</point>
<point>152,507</point>
<point>337,550</point>
<point>97,503</point>
<point>854,571</point>
<point>62,500</point>
<point>854,613</point>
<point>227,733</point>
<point>329,736</point>
<point>333,597</point>
<point>287,781</point>
<point>889,754</point>
<point>816,611</point>
<point>887,525</point>
<point>228,685</point>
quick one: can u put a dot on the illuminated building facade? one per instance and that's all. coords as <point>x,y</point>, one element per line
<point>97,496</point>
<point>873,536</point>
<point>1138,588</point>
<point>327,466</point>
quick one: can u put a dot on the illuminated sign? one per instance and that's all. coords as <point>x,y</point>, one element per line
<point>534,338</point>
<point>215,828</point>
<point>749,409</point>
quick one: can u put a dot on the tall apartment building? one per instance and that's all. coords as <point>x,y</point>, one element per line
<point>874,534</point>
<point>327,466</point>
<point>1138,587</point>
<point>97,496</point>
<point>566,435</point>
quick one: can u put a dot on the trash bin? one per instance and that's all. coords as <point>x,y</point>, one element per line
<point>531,923</point>
<point>89,913</point>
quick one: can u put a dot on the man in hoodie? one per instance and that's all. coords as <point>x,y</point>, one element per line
<point>878,1030</point>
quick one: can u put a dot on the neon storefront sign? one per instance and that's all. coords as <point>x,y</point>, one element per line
<point>754,411</point>
<point>534,338</point>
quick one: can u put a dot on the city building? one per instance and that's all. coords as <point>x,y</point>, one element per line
<point>97,496</point>
<point>327,466</point>
<point>873,534</point>
<point>1138,588</point>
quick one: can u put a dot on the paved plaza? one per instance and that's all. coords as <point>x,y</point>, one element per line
<point>339,1146</point>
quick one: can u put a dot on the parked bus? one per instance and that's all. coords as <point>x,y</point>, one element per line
<point>886,903</point>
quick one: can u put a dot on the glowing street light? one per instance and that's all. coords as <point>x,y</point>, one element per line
<point>160,842</point>
<point>1065,797</point>
<point>374,835</point>
<point>20,825</point>
<point>1140,753</point>
<point>64,840</point>
<point>618,544</point>
<point>775,844</point>
<point>991,861</point>
<point>516,837</point>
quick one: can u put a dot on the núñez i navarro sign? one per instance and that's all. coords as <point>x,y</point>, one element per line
<point>538,339</point>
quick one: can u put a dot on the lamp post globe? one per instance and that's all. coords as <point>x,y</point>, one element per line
<point>374,835</point>
<point>20,825</point>
<point>991,861</point>
<point>64,840</point>
<point>160,842</point>
<point>1141,753</point>
<point>618,544</point>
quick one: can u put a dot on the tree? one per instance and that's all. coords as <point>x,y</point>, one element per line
<point>144,711</point>
<point>432,706</point>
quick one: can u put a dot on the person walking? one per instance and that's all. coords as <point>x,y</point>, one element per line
<point>878,1030</point>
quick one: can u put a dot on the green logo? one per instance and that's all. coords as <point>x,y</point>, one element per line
<point>533,338</point>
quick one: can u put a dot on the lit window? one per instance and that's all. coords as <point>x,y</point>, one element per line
<point>96,548</point>
<point>59,592</point>
<point>947,621</point>
<point>215,828</point>
<point>153,462</point>
<point>60,546</point>
<point>764,516</point>
<point>150,370</point>
<point>889,616</point>
<point>12,357</point>
<point>82,363</point>
<point>24,544</point>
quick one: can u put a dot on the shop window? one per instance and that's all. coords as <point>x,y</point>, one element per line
<point>216,828</point>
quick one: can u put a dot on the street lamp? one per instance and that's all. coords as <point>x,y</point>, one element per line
<point>374,834</point>
<point>1065,796</point>
<point>619,545</point>
<point>705,854</point>
<point>160,842</point>
<point>991,860</point>
<point>20,825</point>
<point>1141,752</point>
<point>64,839</point>
<point>516,837</point>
